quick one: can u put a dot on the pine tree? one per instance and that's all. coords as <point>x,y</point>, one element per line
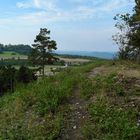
<point>42,49</point>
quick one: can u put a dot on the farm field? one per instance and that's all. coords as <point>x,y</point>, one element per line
<point>76,60</point>
<point>12,55</point>
<point>68,61</point>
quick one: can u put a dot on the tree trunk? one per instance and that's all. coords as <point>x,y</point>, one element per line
<point>138,56</point>
<point>12,85</point>
<point>43,71</point>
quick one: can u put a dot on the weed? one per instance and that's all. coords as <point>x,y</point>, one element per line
<point>111,123</point>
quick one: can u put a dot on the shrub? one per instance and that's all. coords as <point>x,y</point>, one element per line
<point>9,76</point>
<point>7,79</point>
<point>25,75</point>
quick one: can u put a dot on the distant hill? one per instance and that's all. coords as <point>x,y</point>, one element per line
<point>105,55</point>
<point>26,49</point>
<point>20,48</point>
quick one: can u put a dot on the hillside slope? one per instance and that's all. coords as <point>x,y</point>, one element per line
<point>104,55</point>
<point>100,100</point>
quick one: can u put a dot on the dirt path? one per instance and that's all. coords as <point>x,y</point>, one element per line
<point>74,117</point>
<point>96,71</point>
<point>77,113</point>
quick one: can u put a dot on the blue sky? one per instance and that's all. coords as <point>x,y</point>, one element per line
<point>85,25</point>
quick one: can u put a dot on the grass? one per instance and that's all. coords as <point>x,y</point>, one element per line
<point>36,111</point>
<point>110,122</point>
<point>75,60</point>
<point>9,55</point>
<point>112,116</point>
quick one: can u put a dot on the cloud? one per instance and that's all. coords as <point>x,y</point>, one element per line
<point>55,14</point>
<point>38,4</point>
<point>52,11</point>
<point>23,4</point>
<point>115,4</point>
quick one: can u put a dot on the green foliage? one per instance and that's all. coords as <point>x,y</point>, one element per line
<point>21,49</point>
<point>42,52</point>
<point>110,84</point>
<point>110,122</point>
<point>88,132</point>
<point>111,117</point>
<point>9,77</point>
<point>88,88</point>
<point>30,109</point>
<point>14,62</point>
<point>25,75</point>
<point>113,84</point>
<point>128,37</point>
<point>36,110</point>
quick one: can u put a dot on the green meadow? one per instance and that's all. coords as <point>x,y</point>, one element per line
<point>42,110</point>
<point>12,55</point>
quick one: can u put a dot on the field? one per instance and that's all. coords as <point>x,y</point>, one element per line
<point>74,60</point>
<point>12,55</point>
<point>23,61</point>
<point>99,100</point>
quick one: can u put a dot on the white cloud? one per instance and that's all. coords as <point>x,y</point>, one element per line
<point>50,11</point>
<point>115,4</point>
<point>23,4</point>
<point>37,3</point>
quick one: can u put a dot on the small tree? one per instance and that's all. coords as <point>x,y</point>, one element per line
<point>25,75</point>
<point>134,35</point>
<point>121,37</point>
<point>128,37</point>
<point>7,79</point>
<point>42,49</point>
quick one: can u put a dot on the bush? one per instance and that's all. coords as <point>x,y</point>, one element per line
<point>9,76</point>
<point>7,79</point>
<point>25,75</point>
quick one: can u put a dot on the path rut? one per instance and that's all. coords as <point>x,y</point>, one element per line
<point>74,117</point>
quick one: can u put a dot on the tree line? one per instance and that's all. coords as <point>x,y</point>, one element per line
<point>128,35</point>
<point>40,55</point>
<point>10,77</point>
<point>20,48</point>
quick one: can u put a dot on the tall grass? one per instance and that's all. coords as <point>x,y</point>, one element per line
<point>35,111</point>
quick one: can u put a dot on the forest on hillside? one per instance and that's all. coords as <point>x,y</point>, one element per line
<point>21,49</point>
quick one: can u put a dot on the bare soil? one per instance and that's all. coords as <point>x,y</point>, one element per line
<point>75,117</point>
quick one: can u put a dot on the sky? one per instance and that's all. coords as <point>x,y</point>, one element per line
<point>76,25</point>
